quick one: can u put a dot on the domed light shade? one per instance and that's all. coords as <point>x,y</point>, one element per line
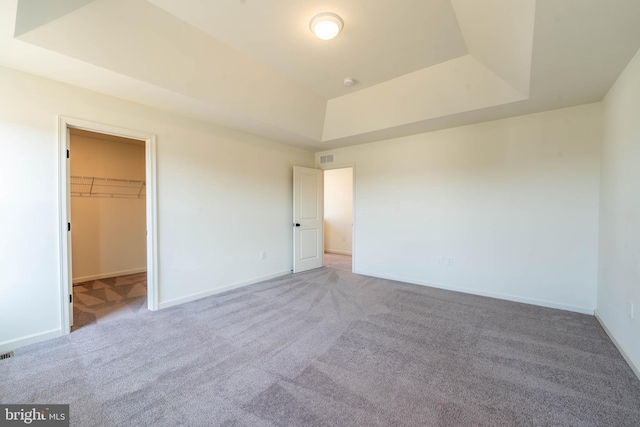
<point>326,25</point>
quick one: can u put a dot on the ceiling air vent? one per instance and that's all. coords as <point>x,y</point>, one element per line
<point>327,158</point>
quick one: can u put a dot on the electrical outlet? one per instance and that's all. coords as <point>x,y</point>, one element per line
<point>630,310</point>
<point>263,255</point>
<point>439,260</point>
<point>449,260</point>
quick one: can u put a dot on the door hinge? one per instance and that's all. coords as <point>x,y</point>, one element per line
<point>68,226</point>
<point>70,298</point>
<point>67,154</point>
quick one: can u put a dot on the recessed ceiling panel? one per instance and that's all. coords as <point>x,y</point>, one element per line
<point>381,39</point>
<point>32,14</point>
<point>456,86</point>
<point>154,46</point>
<point>499,34</point>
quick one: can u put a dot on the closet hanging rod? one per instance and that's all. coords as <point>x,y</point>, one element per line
<point>94,186</point>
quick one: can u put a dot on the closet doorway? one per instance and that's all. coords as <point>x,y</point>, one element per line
<point>338,218</point>
<point>108,192</point>
<point>108,247</point>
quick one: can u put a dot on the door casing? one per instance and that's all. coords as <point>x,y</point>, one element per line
<point>353,201</point>
<point>66,290</point>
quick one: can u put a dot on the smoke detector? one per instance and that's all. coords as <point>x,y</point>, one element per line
<point>348,81</point>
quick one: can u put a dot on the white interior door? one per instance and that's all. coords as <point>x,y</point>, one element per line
<point>308,227</point>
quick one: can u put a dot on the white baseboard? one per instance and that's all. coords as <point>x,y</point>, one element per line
<point>11,345</point>
<point>623,351</point>
<point>506,297</point>
<point>193,297</point>
<point>335,251</point>
<point>107,275</point>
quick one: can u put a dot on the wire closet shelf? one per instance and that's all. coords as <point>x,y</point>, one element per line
<point>93,186</point>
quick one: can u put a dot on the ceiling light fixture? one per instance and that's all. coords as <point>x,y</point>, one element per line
<point>326,25</point>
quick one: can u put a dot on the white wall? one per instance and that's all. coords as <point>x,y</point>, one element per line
<point>619,273</point>
<point>223,196</point>
<point>338,210</point>
<point>108,234</point>
<point>513,203</point>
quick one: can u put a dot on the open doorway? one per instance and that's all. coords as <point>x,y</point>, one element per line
<point>338,218</point>
<point>106,192</point>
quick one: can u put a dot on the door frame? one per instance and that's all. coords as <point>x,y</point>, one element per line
<point>353,203</point>
<point>66,285</point>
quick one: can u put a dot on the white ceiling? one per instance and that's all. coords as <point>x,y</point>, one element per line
<point>415,35</point>
<point>254,65</point>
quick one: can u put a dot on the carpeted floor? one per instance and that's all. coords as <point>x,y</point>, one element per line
<point>330,348</point>
<point>343,262</point>
<point>105,299</point>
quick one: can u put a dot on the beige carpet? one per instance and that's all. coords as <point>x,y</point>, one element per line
<point>343,262</point>
<point>330,348</point>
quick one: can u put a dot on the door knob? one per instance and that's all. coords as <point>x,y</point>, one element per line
<point>297,225</point>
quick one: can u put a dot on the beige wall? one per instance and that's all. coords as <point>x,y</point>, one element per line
<point>338,210</point>
<point>619,274</point>
<point>223,197</point>
<point>512,203</point>
<point>108,234</point>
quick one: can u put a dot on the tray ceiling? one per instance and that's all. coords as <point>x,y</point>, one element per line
<point>419,65</point>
